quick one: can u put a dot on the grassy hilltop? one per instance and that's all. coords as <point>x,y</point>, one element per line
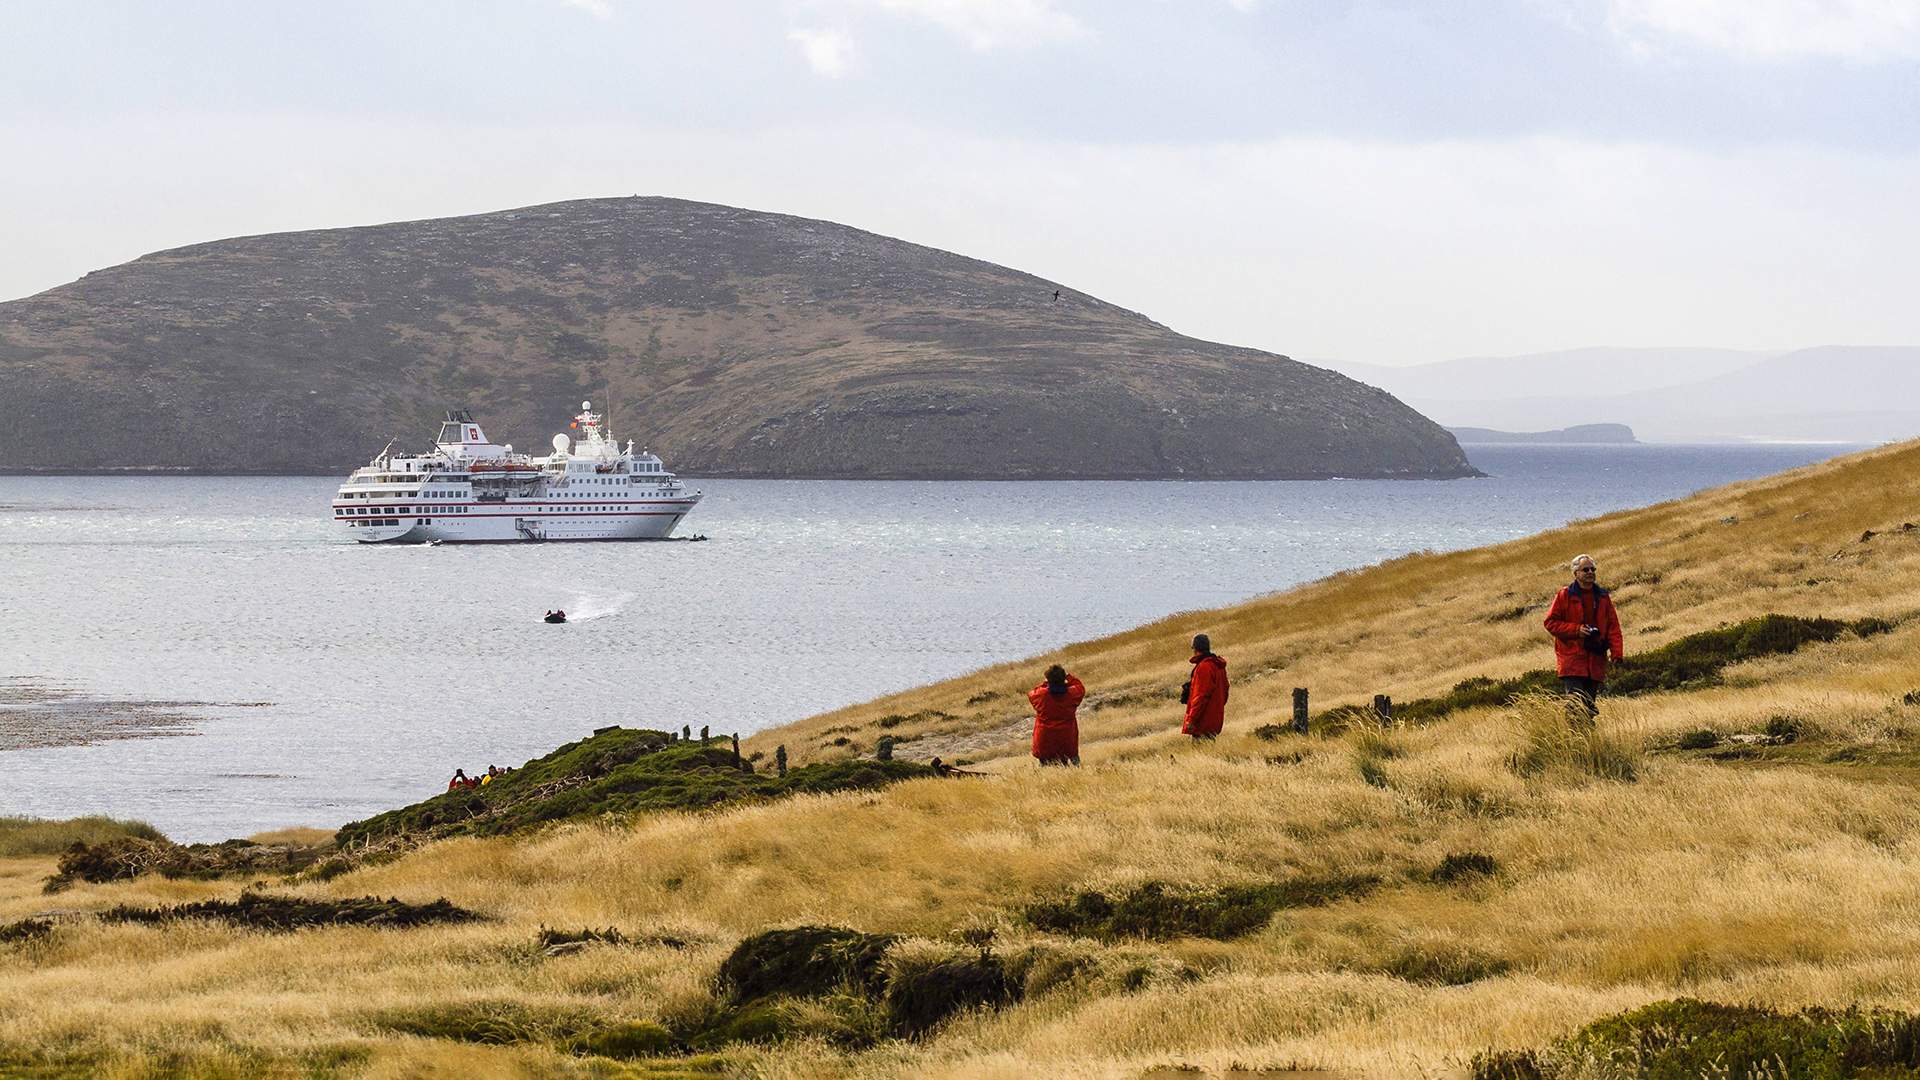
<point>1480,891</point>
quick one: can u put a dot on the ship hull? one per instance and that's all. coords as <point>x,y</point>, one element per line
<point>496,524</point>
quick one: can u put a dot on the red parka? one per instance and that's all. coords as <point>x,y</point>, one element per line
<point>1207,698</point>
<point>1056,727</point>
<point>1571,610</point>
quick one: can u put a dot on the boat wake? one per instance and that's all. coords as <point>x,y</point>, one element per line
<point>585,607</point>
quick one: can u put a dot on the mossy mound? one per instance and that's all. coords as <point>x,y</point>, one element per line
<point>616,771</point>
<point>1162,912</point>
<point>265,911</point>
<point>1689,663</point>
<point>1686,1038</point>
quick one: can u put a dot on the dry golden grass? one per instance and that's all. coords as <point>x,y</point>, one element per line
<point>1791,883</point>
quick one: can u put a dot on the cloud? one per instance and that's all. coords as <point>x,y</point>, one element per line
<point>828,52</point>
<point>599,9</point>
<point>1857,30</point>
<point>989,24</point>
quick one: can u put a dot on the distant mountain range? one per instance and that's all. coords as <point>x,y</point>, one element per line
<point>734,342</point>
<point>1831,393</point>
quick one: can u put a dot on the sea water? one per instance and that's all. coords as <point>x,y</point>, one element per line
<point>273,672</point>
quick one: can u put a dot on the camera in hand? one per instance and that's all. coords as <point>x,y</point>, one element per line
<point>1594,641</point>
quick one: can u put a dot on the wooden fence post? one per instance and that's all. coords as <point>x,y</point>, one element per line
<point>1383,705</point>
<point>736,749</point>
<point>686,732</point>
<point>703,734</point>
<point>780,759</point>
<point>1300,709</point>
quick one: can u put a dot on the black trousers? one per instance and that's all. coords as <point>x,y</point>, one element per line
<point>1583,688</point>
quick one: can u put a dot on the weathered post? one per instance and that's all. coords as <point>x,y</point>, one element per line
<point>780,759</point>
<point>736,749</point>
<point>883,751</point>
<point>703,734</point>
<point>1383,705</point>
<point>1300,709</point>
<point>686,732</point>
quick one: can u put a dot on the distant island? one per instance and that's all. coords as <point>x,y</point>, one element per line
<point>1579,433</point>
<point>735,343</point>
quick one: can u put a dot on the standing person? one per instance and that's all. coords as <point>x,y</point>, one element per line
<point>1056,725</point>
<point>1586,631</point>
<point>1205,694</point>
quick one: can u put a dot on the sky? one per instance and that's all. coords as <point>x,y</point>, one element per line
<point>1377,181</point>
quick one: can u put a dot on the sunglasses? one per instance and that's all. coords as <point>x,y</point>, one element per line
<point>1588,570</point>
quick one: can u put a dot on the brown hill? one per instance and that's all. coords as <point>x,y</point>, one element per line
<point>736,343</point>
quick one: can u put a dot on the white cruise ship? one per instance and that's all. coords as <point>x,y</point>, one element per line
<point>467,489</point>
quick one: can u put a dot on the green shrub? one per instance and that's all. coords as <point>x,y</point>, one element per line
<point>1703,739</point>
<point>39,836</point>
<point>1784,728</point>
<point>1161,912</point>
<point>803,961</point>
<point>1685,1037</point>
<point>1458,866</point>
<point>918,1000</point>
<point>618,771</point>
<point>1507,1065</point>
<point>265,911</point>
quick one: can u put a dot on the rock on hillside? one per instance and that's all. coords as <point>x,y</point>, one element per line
<point>735,343</point>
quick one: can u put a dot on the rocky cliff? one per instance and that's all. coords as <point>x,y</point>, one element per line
<point>733,342</point>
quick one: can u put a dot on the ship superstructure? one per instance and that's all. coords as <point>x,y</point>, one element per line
<point>468,489</point>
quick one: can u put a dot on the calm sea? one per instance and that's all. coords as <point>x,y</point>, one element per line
<point>273,672</point>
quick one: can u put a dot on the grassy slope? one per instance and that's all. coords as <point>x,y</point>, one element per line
<point>1789,884</point>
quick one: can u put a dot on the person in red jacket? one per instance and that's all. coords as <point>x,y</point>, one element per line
<point>1205,694</point>
<point>1586,631</point>
<point>1056,726</point>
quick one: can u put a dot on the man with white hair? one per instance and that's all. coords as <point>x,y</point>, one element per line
<point>1586,633</point>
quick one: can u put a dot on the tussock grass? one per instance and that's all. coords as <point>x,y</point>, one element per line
<point>1554,735</point>
<point>40,836</point>
<point>1780,883</point>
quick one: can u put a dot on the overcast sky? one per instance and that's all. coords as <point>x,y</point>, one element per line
<point>1388,181</point>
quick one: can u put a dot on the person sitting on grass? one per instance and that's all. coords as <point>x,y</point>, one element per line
<point>459,780</point>
<point>1056,726</point>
